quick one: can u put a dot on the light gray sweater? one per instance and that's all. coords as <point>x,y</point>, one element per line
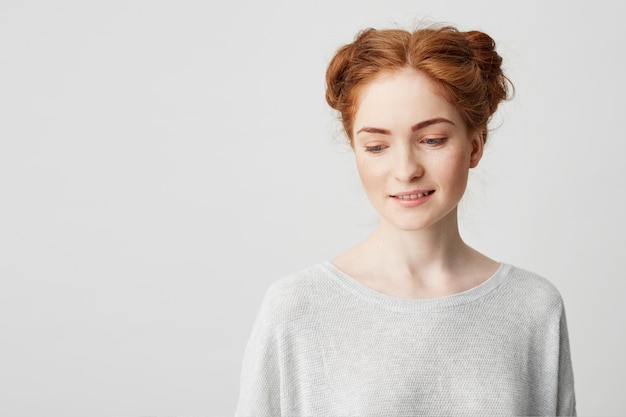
<point>324,344</point>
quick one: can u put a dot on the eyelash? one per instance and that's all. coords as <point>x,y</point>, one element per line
<point>432,142</point>
<point>437,141</point>
<point>375,149</point>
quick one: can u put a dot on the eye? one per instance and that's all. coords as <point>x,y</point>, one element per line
<point>375,148</point>
<point>434,141</point>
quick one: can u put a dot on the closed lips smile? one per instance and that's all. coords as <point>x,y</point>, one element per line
<point>413,196</point>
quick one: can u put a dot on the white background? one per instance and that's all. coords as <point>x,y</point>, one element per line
<point>162,162</point>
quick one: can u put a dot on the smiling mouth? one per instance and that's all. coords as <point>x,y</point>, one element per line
<point>413,196</point>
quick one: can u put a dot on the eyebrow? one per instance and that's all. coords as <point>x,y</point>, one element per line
<point>429,122</point>
<point>414,128</point>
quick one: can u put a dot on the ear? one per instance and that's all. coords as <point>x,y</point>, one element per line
<point>478,144</point>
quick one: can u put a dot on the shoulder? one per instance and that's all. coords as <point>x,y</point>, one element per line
<point>296,296</point>
<point>296,287</point>
<point>533,291</point>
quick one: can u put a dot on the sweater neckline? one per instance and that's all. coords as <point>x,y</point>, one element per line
<point>416,304</point>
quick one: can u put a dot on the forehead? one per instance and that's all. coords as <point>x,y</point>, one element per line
<point>402,97</point>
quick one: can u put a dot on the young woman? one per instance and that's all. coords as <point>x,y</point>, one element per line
<point>411,321</point>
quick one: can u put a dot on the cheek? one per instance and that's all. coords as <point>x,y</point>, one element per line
<point>453,168</point>
<point>371,174</point>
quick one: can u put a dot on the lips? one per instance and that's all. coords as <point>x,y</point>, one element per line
<point>413,195</point>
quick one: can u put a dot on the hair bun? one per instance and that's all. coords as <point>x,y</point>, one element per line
<point>336,75</point>
<point>490,65</point>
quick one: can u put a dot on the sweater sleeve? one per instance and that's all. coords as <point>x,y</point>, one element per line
<point>566,402</point>
<point>259,393</point>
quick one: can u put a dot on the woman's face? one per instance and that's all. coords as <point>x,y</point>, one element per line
<point>413,151</point>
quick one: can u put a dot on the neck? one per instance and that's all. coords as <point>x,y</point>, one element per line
<point>438,246</point>
<point>425,263</point>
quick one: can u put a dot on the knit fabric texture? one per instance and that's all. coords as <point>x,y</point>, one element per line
<point>323,344</point>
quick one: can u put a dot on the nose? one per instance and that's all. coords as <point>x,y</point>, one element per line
<point>407,165</point>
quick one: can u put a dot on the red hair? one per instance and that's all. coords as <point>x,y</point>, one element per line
<point>464,66</point>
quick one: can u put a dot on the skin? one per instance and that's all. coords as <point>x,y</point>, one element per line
<point>409,141</point>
